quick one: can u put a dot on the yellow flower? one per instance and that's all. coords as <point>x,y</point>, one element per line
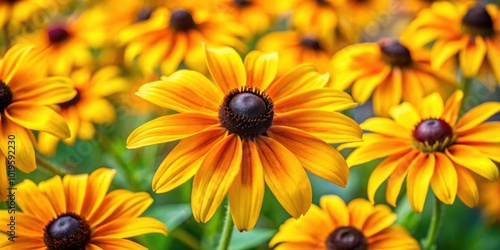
<point>89,106</point>
<point>25,93</point>
<point>335,225</point>
<point>76,212</point>
<point>471,33</point>
<point>15,12</point>
<point>174,36</point>
<point>247,129</point>
<point>489,201</point>
<point>361,13</point>
<point>426,144</point>
<point>388,70</point>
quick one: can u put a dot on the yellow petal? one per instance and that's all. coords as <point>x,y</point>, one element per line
<point>46,119</point>
<point>452,107</point>
<point>176,54</point>
<point>359,210</point>
<point>75,189</point>
<point>444,181</point>
<point>215,176</point>
<point>24,152</point>
<point>398,176</point>
<point>405,115</point>
<point>27,225</point>
<point>472,56</point>
<point>474,160</point>
<point>51,90</point>
<point>261,68</point>
<point>493,47</point>
<point>380,218</point>
<point>129,227</point>
<point>363,88</point>
<point>431,106</point>
<point>467,187</point>
<point>247,192</point>
<point>324,99</point>
<point>4,182</point>
<point>394,237</point>
<point>490,150</point>
<point>53,189</point>
<point>226,67</point>
<point>484,133</point>
<point>113,243</point>
<point>99,182</point>
<point>11,61</point>
<point>336,208</point>
<point>185,159</point>
<point>30,200</point>
<point>285,176</point>
<point>443,50</point>
<point>380,174</point>
<point>315,155</point>
<point>477,115</point>
<point>388,94</point>
<point>170,128</point>
<point>378,148</point>
<point>419,177</point>
<point>386,126</point>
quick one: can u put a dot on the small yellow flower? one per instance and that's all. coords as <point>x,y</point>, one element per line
<point>426,144</point>
<point>256,15</point>
<point>335,225</point>
<point>25,94</point>
<point>248,129</point>
<point>76,212</point>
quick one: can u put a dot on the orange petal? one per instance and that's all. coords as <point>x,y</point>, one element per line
<point>285,176</point>
<point>24,152</point>
<point>324,99</point>
<point>215,176</point>
<point>484,133</point>
<point>412,87</point>
<point>176,54</point>
<point>398,176</point>
<point>394,237</point>
<point>477,115</point>
<point>30,200</point>
<point>75,187</point>
<point>51,90</point>
<point>467,187</point>
<point>128,227</point>
<point>452,107</point>
<point>381,173</point>
<point>474,160</point>
<point>337,210</point>
<point>443,50</point>
<point>490,150</point>
<point>363,88</point>
<point>113,243</point>
<point>444,181</point>
<point>388,94</point>
<point>261,68</point>
<point>53,189</point>
<point>431,106</point>
<point>99,182</point>
<point>419,176</point>
<point>247,192</point>
<point>11,61</point>
<point>359,211</point>
<point>378,148</point>
<point>493,46</point>
<point>27,225</point>
<point>472,56</point>
<point>226,67</point>
<point>380,218</point>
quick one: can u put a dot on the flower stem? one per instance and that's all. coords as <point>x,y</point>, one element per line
<point>227,230</point>
<point>50,167</point>
<point>466,88</point>
<point>429,242</point>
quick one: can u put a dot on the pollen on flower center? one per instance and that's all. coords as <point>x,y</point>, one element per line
<point>5,96</point>
<point>66,232</point>
<point>310,42</point>
<point>433,134</point>
<point>57,34</point>
<point>71,102</point>
<point>477,21</point>
<point>346,238</point>
<point>247,112</point>
<point>181,20</point>
<point>394,53</point>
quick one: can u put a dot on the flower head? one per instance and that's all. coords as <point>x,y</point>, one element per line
<point>76,212</point>
<point>256,15</point>
<point>426,144</point>
<point>25,96</point>
<point>335,225</point>
<point>246,130</point>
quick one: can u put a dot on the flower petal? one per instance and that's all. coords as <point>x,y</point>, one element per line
<point>4,182</point>
<point>114,243</point>
<point>99,182</point>
<point>386,126</point>
<point>363,88</point>
<point>381,173</point>
<point>431,106</point>
<point>394,237</point>
<point>443,50</point>
<point>50,90</point>
<point>477,115</point>
<point>472,56</point>
<point>405,115</point>
<point>12,60</point>
<point>215,176</point>
<point>315,155</point>
<point>285,176</point>
<point>380,218</point>
<point>226,67</point>
<point>474,160</point>
<point>336,209</point>
<point>170,128</point>
<point>419,176</point>
<point>129,227</point>
<point>359,210</point>
<point>75,188</point>
<point>376,148</point>
<point>398,176</point>
<point>324,99</point>
<point>444,181</point>
<point>452,107</point>
<point>54,191</point>
<point>261,68</point>
<point>247,192</point>
<point>30,200</point>
<point>24,152</point>
<point>467,187</point>
<point>388,94</point>
<point>484,133</point>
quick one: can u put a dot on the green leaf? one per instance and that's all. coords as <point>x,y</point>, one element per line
<point>171,215</point>
<point>249,240</point>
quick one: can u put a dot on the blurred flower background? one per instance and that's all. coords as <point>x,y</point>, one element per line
<point>83,61</point>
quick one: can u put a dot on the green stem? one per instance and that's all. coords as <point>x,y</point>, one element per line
<point>429,243</point>
<point>47,165</point>
<point>227,230</point>
<point>186,238</point>
<point>6,38</point>
<point>466,88</point>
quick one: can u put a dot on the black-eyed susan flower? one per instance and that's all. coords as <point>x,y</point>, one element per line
<point>361,13</point>
<point>469,33</point>
<point>172,36</point>
<point>426,145</point>
<point>88,107</point>
<point>334,225</point>
<point>25,93</point>
<point>77,212</point>
<point>389,71</point>
<point>256,15</point>
<point>246,130</point>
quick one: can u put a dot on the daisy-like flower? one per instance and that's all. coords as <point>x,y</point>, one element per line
<point>88,107</point>
<point>25,93</point>
<point>174,36</point>
<point>389,71</point>
<point>18,11</point>
<point>76,212</point>
<point>256,15</point>
<point>426,145</point>
<point>335,225</point>
<point>471,33</point>
<point>246,130</point>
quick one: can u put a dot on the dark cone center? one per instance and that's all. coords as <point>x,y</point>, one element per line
<point>67,232</point>
<point>478,21</point>
<point>57,34</point>
<point>394,53</point>
<point>144,14</point>
<point>242,3</point>
<point>310,42</point>
<point>346,238</point>
<point>71,102</point>
<point>432,131</point>
<point>5,96</point>
<point>181,20</point>
<point>247,112</point>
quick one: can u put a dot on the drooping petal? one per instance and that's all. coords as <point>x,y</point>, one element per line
<point>364,87</point>
<point>215,176</point>
<point>261,69</point>
<point>419,176</point>
<point>316,156</point>
<point>444,181</point>
<point>24,152</point>
<point>226,67</point>
<point>170,128</point>
<point>129,227</point>
<point>185,159</point>
<point>445,49</point>
<point>247,192</point>
<point>11,61</point>
<point>472,159</point>
<point>477,115</point>
<point>285,176</point>
<point>324,99</point>
<point>467,188</point>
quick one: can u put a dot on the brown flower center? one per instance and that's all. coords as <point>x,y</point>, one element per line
<point>144,14</point>
<point>433,135</point>
<point>477,22</point>
<point>71,102</point>
<point>242,3</point>
<point>181,20</point>
<point>5,96</point>
<point>57,34</point>
<point>247,112</point>
<point>67,232</point>
<point>310,42</point>
<point>346,238</point>
<point>394,53</point>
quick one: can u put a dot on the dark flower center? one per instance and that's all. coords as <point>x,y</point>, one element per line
<point>68,232</point>
<point>242,3</point>
<point>432,131</point>
<point>57,34</point>
<point>144,14</point>
<point>181,20</point>
<point>477,21</point>
<point>247,112</point>
<point>5,96</point>
<point>310,42</point>
<point>71,102</point>
<point>394,53</point>
<point>346,238</point>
